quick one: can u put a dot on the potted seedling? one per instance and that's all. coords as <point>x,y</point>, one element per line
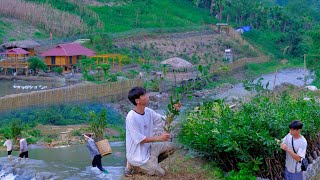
<point>97,126</point>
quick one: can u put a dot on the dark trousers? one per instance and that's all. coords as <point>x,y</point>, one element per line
<point>96,162</point>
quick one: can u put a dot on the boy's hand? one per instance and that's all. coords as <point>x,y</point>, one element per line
<point>284,147</point>
<point>177,106</point>
<point>164,137</point>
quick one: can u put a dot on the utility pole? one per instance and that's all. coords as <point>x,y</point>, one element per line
<point>305,68</point>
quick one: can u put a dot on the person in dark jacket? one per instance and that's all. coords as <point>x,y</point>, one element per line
<point>94,153</point>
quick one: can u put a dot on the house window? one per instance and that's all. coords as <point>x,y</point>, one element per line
<point>53,60</point>
<point>70,59</point>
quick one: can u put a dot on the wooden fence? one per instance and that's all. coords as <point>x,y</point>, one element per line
<point>81,92</point>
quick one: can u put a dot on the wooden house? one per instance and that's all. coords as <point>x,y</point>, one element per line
<point>65,55</point>
<point>16,59</point>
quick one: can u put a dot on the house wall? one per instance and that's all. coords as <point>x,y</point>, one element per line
<point>32,52</point>
<point>61,60</point>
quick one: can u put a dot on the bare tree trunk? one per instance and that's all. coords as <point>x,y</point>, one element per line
<point>284,26</point>
<point>212,5</point>
<point>220,12</point>
<point>137,18</point>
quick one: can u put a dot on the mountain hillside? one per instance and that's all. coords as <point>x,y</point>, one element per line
<point>71,17</point>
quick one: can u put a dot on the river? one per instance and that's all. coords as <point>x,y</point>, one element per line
<point>70,163</point>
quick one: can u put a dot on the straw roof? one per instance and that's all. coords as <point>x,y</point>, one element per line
<point>177,63</point>
<point>21,44</point>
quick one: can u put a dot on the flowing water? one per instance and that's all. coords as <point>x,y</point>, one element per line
<point>292,76</point>
<point>72,162</point>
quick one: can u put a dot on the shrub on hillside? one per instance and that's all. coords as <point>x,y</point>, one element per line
<point>58,70</point>
<point>250,134</point>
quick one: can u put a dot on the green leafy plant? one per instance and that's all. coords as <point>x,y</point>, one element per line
<point>58,70</point>
<point>98,123</point>
<point>36,64</point>
<point>171,114</point>
<point>251,85</point>
<point>249,135</point>
<point>16,128</point>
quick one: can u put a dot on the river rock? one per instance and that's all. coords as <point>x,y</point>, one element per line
<point>153,96</point>
<point>44,175</point>
<point>18,171</point>
<point>312,88</point>
<point>9,170</point>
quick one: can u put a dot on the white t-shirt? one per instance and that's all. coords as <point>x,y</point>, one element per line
<point>8,143</point>
<point>138,127</point>
<point>300,146</point>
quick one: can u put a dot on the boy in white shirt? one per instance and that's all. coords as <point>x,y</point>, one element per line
<point>295,146</point>
<point>8,144</point>
<point>142,146</point>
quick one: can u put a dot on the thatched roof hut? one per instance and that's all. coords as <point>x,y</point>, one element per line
<point>178,63</point>
<point>25,44</point>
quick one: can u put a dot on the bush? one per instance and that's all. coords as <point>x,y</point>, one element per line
<point>35,133</point>
<point>58,70</point>
<point>32,140</point>
<point>76,133</point>
<point>36,64</point>
<point>47,140</point>
<point>251,133</point>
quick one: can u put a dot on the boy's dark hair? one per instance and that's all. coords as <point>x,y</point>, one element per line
<point>7,137</point>
<point>135,93</point>
<point>296,124</point>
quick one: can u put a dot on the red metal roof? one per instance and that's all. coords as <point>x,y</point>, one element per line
<point>72,49</point>
<point>16,51</point>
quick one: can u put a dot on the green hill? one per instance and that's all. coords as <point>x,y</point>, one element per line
<point>65,18</point>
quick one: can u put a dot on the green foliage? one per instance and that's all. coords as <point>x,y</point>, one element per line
<point>48,140</point>
<point>132,74</point>
<point>6,132</point>
<point>76,133</point>
<point>58,70</point>
<point>35,133</point>
<point>98,123</point>
<point>102,43</point>
<point>16,127</point>
<point>59,115</point>
<point>32,140</point>
<point>258,87</point>
<point>244,136</point>
<point>171,113</point>
<point>151,14</point>
<point>36,64</point>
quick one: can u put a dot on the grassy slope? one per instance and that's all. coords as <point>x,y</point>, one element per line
<point>156,14</point>
<point>2,30</point>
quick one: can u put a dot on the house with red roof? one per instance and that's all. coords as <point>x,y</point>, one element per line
<point>16,59</point>
<point>66,55</point>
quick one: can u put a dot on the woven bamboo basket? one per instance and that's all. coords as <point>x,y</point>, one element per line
<point>104,147</point>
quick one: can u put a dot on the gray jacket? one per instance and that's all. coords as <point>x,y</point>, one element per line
<point>23,145</point>
<point>93,150</point>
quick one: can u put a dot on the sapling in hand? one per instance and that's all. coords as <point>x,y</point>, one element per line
<point>171,113</point>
